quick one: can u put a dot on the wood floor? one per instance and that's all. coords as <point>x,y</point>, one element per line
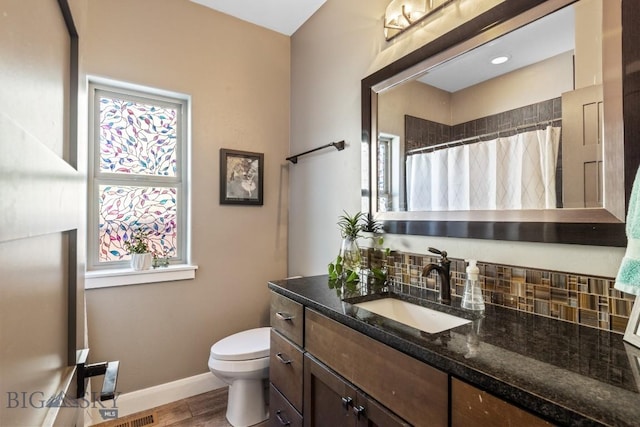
<point>203,410</point>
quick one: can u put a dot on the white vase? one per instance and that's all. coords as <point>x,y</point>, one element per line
<point>141,261</point>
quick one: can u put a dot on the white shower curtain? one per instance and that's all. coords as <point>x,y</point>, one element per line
<point>516,172</point>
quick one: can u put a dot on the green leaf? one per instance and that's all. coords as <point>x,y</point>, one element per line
<point>352,277</point>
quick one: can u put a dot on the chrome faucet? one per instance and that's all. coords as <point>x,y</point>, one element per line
<point>443,267</point>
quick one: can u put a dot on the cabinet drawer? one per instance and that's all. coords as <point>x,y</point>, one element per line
<point>286,369</point>
<point>414,390</point>
<point>471,406</point>
<point>287,317</point>
<point>281,413</point>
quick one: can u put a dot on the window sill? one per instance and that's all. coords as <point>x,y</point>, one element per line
<point>127,276</point>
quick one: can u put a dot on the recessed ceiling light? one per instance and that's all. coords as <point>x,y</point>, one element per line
<point>500,59</point>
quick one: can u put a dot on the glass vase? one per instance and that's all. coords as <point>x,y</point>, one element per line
<point>351,256</point>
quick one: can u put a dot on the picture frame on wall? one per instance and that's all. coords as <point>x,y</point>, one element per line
<point>632,332</point>
<point>241,177</point>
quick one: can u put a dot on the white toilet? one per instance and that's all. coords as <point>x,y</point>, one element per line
<point>242,361</point>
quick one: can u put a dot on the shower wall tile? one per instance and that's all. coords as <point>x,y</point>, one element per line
<point>421,133</point>
<point>587,300</point>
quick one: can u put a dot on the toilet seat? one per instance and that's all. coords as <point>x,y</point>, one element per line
<point>245,345</point>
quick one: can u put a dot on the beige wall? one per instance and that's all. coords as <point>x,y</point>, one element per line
<point>238,77</point>
<point>588,42</point>
<point>331,53</point>
<point>538,82</point>
<point>415,99</point>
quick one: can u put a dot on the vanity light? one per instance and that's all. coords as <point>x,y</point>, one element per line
<point>402,14</point>
<point>500,59</point>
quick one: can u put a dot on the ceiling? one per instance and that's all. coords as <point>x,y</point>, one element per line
<point>542,39</point>
<point>283,16</point>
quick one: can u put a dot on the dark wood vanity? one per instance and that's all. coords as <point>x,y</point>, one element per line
<point>347,368</point>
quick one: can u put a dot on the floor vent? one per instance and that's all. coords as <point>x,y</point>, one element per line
<point>147,420</point>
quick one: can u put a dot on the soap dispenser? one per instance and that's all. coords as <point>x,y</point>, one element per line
<point>472,298</point>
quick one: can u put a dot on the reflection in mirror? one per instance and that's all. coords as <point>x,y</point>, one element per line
<point>512,130</point>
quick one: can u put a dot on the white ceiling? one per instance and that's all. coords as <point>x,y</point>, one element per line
<point>549,36</point>
<point>283,16</point>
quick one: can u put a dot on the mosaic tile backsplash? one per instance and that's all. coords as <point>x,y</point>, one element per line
<point>587,300</point>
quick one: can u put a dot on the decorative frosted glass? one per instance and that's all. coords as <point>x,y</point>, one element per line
<point>137,138</point>
<point>123,209</point>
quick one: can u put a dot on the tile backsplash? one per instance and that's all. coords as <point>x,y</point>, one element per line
<point>577,298</point>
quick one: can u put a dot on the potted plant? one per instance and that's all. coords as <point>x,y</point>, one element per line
<point>345,270</point>
<point>138,247</point>
<point>376,272</point>
<point>351,229</point>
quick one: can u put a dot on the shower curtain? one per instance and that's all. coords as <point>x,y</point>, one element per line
<point>515,172</point>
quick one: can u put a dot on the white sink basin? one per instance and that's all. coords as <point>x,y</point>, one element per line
<point>417,316</point>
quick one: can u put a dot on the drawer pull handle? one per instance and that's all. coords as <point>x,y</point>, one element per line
<point>358,410</point>
<point>346,402</point>
<point>282,420</point>
<point>282,359</point>
<point>284,316</point>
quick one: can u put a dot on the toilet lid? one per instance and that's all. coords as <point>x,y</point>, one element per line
<point>245,345</point>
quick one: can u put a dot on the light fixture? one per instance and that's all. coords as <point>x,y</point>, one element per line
<point>500,59</point>
<point>402,14</point>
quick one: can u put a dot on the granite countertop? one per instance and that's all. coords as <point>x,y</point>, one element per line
<point>564,372</point>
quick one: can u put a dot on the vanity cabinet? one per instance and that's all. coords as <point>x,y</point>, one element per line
<point>324,373</point>
<point>286,361</point>
<point>330,400</point>
<point>415,391</point>
<point>471,406</point>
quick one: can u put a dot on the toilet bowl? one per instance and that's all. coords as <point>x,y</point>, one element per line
<point>242,361</point>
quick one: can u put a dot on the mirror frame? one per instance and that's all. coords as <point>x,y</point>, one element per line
<point>585,233</point>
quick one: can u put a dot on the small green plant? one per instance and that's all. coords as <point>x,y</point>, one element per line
<point>345,271</point>
<point>160,259</point>
<point>351,226</point>
<point>371,225</point>
<point>341,278</point>
<point>336,270</point>
<point>378,270</point>
<point>138,242</point>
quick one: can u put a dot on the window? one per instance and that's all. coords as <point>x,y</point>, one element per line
<point>388,173</point>
<point>138,173</point>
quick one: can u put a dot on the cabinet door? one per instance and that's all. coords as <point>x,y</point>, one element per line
<point>370,413</point>
<point>473,407</point>
<point>328,399</point>
<point>414,390</point>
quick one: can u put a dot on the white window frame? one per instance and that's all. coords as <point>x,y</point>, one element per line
<point>120,273</point>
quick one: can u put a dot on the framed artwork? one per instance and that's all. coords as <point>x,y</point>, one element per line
<point>632,333</point>
<point>241,177</point>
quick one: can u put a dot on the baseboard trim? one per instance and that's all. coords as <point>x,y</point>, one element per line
<point>141,400</point>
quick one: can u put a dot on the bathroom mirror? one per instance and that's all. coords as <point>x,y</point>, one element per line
<point>545,129</point>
